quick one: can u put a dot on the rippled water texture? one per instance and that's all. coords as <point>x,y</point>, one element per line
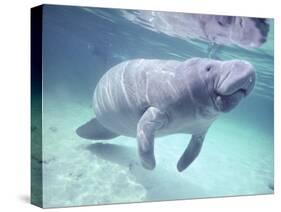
<point>79,46</point>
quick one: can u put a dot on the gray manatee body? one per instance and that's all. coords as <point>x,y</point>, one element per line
<point>149,98</point>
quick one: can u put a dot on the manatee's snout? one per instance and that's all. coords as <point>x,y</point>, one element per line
<point>235,81</point>
<point>236,76</point>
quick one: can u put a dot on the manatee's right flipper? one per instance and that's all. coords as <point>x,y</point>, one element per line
<point>191,152</point>
<point>93,130</point>
<point>152,120</point>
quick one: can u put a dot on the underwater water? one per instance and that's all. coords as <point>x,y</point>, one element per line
<point>79,46</point>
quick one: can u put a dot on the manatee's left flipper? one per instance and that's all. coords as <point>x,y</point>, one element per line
<point>152,120</point>
<point>191,152</point>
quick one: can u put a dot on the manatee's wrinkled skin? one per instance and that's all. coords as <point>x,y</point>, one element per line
<point>226,30</point>
<point>148,98</point>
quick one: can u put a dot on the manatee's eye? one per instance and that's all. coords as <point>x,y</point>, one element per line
<point>208,68</point>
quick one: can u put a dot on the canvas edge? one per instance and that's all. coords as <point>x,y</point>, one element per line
<point>36,192</point>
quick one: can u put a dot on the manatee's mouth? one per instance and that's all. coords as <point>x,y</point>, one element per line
<point>241,91</point>
<point>225,103</point>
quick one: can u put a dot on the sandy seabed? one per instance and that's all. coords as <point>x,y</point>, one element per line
<point>233,161</point>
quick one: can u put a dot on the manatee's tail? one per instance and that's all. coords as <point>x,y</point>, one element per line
<point>93,130</point>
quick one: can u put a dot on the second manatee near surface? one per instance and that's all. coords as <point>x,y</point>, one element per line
<point>245,32</point>
<point>147,98</point>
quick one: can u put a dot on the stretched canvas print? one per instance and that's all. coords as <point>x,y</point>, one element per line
<point>136,106</point>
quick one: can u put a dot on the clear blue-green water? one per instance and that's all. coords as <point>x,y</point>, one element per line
<point>79,46</point>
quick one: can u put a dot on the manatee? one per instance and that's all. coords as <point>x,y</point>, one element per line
<point>147,98</point>
<point>245,32</point>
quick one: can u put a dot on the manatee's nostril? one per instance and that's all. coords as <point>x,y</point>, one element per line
<point>249,85</point>
<point>251,79</point>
